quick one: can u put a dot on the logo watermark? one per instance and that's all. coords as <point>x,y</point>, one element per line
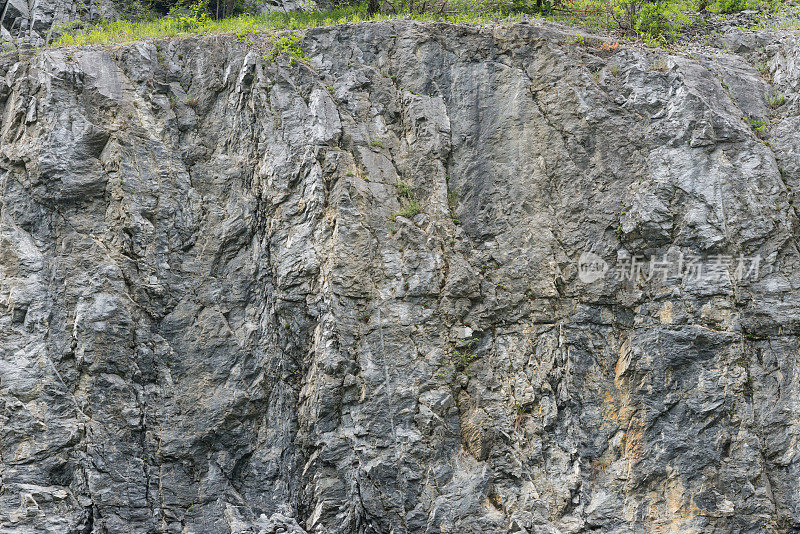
<point>687,267</point>
<point>591,267</point>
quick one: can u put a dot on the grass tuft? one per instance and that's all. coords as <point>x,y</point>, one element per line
<point>412,208</point>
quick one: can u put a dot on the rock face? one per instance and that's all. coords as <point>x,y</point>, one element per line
<point>38,22</point>
<point>241,294</point>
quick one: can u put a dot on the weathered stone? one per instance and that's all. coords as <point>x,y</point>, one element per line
<point>39,23</point>
<point>240,295</point>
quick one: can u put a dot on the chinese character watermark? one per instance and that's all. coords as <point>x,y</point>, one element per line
<point>591,267</point>
<point>687,267</point>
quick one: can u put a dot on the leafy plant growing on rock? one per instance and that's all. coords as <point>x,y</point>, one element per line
<point>764,71</point>
<point>409,211</point>
<point>775,99</point>
<point>411,206</point>
<point>759,127</point>
<point>464,354</point>
<point>287,45</point>
<point>403,191</point>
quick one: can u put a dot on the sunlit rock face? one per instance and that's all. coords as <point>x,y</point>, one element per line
<point>435,278</point>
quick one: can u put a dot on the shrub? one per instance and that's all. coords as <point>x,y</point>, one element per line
<point>732,6</point>
<point>288,45</point>
<point>190,18</point>
<point>651,18</point>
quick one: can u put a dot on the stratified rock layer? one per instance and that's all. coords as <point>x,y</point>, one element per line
<point>251,295</point>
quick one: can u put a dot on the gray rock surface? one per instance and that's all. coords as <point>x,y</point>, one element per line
<point>248,295</point>
<point>38,22</point>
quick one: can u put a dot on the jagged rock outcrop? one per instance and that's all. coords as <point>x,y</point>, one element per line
<point>251,295</point>
<point>38,22</point>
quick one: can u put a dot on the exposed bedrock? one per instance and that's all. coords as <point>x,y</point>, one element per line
<point>249,295</point>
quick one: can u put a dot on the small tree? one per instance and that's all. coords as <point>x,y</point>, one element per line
<point>650,18</point>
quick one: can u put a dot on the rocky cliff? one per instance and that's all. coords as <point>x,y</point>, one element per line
<point>38,22</point>
<point>435,278</point>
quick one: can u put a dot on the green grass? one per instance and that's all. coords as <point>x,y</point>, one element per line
<point>659,24</point>
<point>403,191</point>
<point>775,99</point>
<point>112,32</point>
<point>120,31</point>
<point>783,16</point>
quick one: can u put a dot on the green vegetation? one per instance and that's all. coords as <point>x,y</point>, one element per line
<point>289,45</point>
<point>657,22</point>
<point>775,99</point>
<point>409,211</point>
<point>783,15</point>
<point>660,65</point>
<point>403,191</point>
<point>410,206</point>
<point>731,6</point>
<point>452,205</point>
<point>759,127</point>
<point>120,31</point>
<point>464,353</point>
